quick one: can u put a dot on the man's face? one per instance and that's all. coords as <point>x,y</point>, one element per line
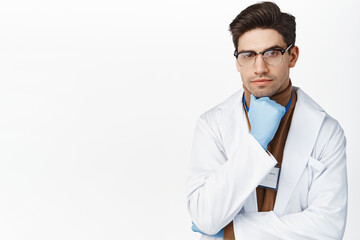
<point>262,79</point>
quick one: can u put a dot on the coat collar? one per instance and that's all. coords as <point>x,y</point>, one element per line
<point>304,129</point>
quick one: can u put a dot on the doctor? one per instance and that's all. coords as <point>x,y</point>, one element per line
<point>268,162</point>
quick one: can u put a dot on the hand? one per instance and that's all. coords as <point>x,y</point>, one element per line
<point>196,229</point>
<point>264,116</point>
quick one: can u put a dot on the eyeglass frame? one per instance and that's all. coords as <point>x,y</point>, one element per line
<point>282,51</point>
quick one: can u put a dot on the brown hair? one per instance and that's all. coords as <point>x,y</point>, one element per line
<point>265,15</point>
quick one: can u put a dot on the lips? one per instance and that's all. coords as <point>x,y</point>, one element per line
<point>261,82</point>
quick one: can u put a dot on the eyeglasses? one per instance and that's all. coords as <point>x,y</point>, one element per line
<point>272,57</point>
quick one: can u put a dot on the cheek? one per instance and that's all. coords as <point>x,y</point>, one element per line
<point>282,73</point>
<point>244,75</point>
<point>286,72</point>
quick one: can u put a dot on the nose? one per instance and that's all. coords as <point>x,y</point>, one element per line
<point>260,66</point>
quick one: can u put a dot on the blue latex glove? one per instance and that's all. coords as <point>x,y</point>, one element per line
<point>264,116</point>
<point>196,229</point>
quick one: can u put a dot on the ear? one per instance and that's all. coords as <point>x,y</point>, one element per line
<point>294,55</point>
<point>237,65</point>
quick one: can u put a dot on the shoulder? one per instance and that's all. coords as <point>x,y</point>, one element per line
<point>306,102</point>
<point>216,118</point>
<point>231,102</point>
<point>330,135</point>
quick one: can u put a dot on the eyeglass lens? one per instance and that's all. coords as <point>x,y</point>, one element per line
<point>271,57</point>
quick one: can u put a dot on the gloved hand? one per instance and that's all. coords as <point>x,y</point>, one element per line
<point>196,229</point>
<point>264,116</point>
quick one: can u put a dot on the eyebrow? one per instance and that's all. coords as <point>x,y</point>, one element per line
<point>272,47</point>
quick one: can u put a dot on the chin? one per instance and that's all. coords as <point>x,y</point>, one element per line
<point>263,93</point>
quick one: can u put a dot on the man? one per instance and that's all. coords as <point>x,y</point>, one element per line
<point>268,162</point>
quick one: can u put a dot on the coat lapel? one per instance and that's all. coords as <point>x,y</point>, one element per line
<point>305,126</point>
<point>238,129</point>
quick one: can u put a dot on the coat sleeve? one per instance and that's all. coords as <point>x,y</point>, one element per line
<point>325,216</point>
<point>218,184</point>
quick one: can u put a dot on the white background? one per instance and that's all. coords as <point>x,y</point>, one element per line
<point>99,99</point>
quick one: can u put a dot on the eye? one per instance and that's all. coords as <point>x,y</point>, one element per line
<point>272,53</point>
<point>246,55</point>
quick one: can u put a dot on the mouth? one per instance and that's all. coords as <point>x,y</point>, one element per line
<point>261,82</point>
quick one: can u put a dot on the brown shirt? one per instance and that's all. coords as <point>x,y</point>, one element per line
<point>266,197</point>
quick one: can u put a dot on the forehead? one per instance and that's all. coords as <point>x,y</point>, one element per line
<point>260,39</point>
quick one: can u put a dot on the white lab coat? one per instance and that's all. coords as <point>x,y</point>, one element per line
<point>227,164</point>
